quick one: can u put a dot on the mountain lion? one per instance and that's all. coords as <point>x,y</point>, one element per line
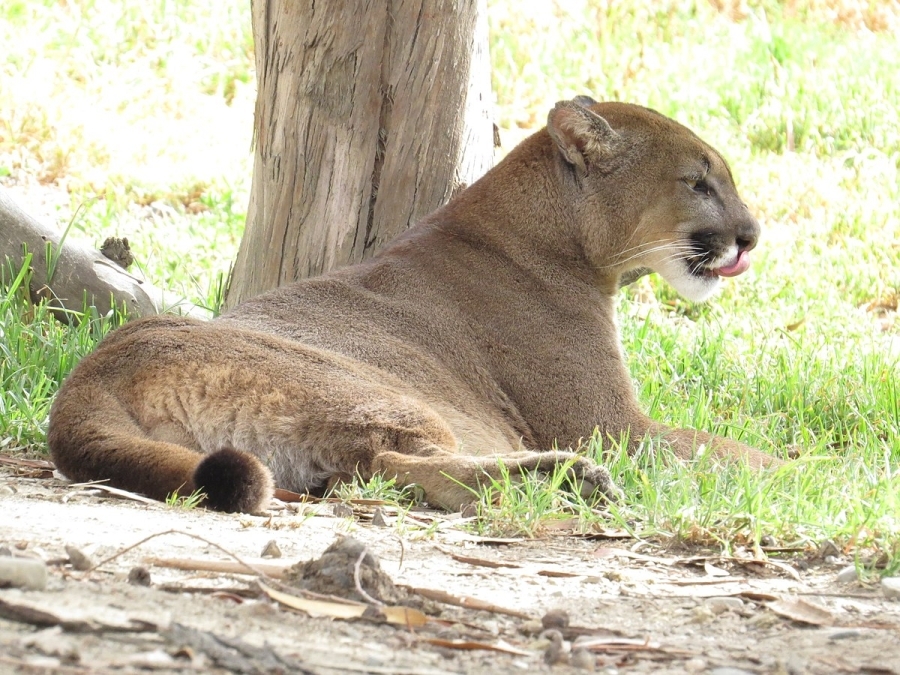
<point>483,335</point>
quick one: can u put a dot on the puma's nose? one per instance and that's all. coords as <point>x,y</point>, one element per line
<point>747,234</point>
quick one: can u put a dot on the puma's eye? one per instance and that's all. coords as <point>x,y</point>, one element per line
<point>698,185</point>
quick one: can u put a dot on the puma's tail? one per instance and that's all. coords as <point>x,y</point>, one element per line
<point>92,436</point>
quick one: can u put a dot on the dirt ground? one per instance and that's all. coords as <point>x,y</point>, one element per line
<point>632,607</point>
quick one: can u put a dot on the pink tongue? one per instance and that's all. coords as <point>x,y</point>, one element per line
<point>741,265</point>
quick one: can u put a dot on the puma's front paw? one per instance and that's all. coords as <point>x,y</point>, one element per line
<point>596,481</point>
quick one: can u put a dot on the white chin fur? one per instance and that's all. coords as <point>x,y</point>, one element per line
<point>689,285</point>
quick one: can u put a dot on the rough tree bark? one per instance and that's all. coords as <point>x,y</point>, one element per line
<point>67,275</point>
<point>369,115</point>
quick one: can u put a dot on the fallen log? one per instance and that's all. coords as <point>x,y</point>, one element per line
<point>70,276</point>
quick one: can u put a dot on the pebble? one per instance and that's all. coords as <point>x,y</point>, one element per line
<point>27,573</point>
<point>728,670</point>
<point>139,576</point>
<point>555,618</point>
<point>720,605</point>
<point>52,642</point>
<point>342,510</point>
<point>378,519</point>
<point>271,550</point>
<point>155,660</point>
<point>890,586</point>
<point>702,614</point>
<point>78,559</point>
<point>583,660</point>
<point>695,665</point>
<point>847,575</point>
<point>555,651</point>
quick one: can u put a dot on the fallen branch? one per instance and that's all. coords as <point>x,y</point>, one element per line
<point>67,274</point>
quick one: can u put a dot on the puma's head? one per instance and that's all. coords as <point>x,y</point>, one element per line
<point>651,194</point>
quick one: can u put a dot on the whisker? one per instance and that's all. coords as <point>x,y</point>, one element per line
<point>661,246</point>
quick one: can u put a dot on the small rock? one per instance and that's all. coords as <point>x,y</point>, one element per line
<point>378,518</point>
<point>469,510</point>
<point>764,620</point>
<point>847,575</point>
<point>720,605</point>
<point>78,559</point>
<point>695,665</point>
<point>27,573</point>
<point>342,510</point>
<point>5,552</point>
<point>531,627</point>
<point>491,626</point>
<point>52,642</point>
<point>890,586</point>
<point>828,548</point>
<point>271,550</point>
<point>767,540</point>
<point>555,618</point>
<point>844,634</point>
<point>831,560</point>
<point>583,659</point>
<point>555,652</point>
<point>155,660</point>
<point>728,670</point>
<point>702,614</point>
<point>139,576</point>
<point>39,663</point>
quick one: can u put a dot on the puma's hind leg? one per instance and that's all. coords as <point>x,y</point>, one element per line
<point>451,480</point>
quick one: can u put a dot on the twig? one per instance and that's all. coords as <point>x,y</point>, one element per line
<point>25,666</point>
<point>359,587</point>
<point>252,568</point>
<point>274,570</point>
<point>402,551</point>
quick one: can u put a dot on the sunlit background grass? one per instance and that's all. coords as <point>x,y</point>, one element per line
<point>135,118</point>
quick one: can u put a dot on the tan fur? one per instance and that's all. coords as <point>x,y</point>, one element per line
<point>485,332</point>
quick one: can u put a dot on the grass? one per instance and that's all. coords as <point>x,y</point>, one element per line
<point>142,125</point>
<point>185,502</point>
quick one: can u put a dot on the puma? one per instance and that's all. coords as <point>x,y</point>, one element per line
<point>483,335</point>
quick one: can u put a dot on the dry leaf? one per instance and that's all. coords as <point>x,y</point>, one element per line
<point>704,581</point>
<point>288,496</point>
<point>481,562</point>
<point>316,608</point>
<point>404,616</point>
<point>787,569</point>
<point>557,524</point>
<point>471,644</point>
<point>713,571</point>
<point>797,609</point>
<point>603,643</point>
<point>623,553</point>
<point>465,601</point>
<point>401,616</point>
<point>560,573</point>
<point>29,468</point>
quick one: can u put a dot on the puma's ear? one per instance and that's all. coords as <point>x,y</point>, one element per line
<point>583,137</point>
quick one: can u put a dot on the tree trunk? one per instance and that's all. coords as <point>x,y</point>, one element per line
<point>67,274</point>
<point>369,115</point>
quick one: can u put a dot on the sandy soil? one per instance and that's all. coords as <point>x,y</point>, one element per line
<point>637,608</point>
